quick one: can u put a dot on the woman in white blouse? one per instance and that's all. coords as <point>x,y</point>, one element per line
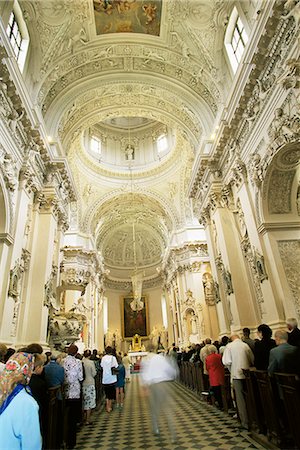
<point>108,379</point>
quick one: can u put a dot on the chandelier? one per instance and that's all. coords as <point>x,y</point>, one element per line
<point>137,276</point>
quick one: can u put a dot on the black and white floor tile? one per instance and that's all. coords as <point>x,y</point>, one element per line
<point>197,425</point>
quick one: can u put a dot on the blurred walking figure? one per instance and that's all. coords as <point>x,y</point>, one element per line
<point>157,373</point>
<point>127,363</point>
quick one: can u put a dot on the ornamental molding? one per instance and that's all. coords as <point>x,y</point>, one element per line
<point>46,202</point>
<point>80,267</point>
<point>126,286</point>
<point>289,254</point>
<point>264,74</point>
<point>78,156</point>
<point>94,213</point>
<point>143,59</point>
<point>256,264</point>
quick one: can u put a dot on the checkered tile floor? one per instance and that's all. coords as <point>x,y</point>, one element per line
<point>197,425</point>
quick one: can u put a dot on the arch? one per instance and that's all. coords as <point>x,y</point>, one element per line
<point>5,209</point>
<point>117,195</point>
<point>280,189</point>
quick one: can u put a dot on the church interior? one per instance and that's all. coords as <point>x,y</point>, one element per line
<point>141,142</point>
<point>149,171</point>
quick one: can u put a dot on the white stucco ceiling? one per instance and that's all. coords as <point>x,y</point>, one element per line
<point>121,81</point>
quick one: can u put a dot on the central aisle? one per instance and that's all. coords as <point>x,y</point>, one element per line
<point>197,425</point>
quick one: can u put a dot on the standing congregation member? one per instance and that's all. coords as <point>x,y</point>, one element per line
<point>216,373</point>
<point>246,338</point>
<point>19,417</point>
<point>294,332</point>
<point>238,356</point>
<point>88,386</point>
<point>285,357</point>
<point>54,377</point>
<point>73,377</point>
<point>109,380</point>
<point>120,383</point>
<point>3,351</point>
<point>263,347</point>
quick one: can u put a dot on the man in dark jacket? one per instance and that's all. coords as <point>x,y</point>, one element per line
<point>294,332</point>
<point>284,358</point>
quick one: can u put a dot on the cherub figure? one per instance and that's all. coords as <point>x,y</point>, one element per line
<point>149,12</point>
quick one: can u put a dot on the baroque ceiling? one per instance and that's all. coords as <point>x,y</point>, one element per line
<point>129,68</point>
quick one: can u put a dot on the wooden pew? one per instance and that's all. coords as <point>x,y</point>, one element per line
<point>271,407</point>
<point>290,389</point>
<point>257,422</point>
<point>54,432</point>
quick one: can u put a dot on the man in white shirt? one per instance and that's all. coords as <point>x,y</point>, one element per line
<point>238,356</point>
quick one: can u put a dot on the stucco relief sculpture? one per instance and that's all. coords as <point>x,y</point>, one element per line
<point>209,289</point>
<point>241,219</point>
<point>284,125</point>
<point>292,9</point>
<point>15,287</point>
<point>50,292</point>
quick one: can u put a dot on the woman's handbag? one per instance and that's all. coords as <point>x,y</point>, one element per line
<point>114,370</point>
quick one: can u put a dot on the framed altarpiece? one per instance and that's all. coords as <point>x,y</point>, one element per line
<point>135,318</point>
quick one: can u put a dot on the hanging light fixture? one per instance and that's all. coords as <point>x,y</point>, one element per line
<point>137,277</point>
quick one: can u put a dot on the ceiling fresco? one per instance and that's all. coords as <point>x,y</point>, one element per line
<point>128,16</point>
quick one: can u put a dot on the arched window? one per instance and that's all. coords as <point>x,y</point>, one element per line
<point>95,145</point>
<point>162,144</point>
<point>18,35</point>
<point>164,311</point>
<point>236,39</point>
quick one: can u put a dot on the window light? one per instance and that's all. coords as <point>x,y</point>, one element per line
<point>18,35</point>
<point>95,145</point>
<point>162,143</point>
<point>236,39</point>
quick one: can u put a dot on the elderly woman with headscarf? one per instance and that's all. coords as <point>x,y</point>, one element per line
<point>19,417</point>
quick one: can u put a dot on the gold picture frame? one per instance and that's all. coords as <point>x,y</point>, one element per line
<point>134,322</point>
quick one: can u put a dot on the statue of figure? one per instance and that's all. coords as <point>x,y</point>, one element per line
<point>292,7</point>
<point>13,119</point>
<point>228,282</point>
<point>281,125</point>
<point>154,335</point>
<point>164,337</point>
<point>193,321</point>
<point>79,307</point>
<point>189,297</point>
<point>109,336</point>
<point>117,340</point>
<point>209,291</point>
<point>129,152</point>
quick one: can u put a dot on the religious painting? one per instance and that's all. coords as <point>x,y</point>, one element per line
<point>128,16</point>
<point>134,317</point>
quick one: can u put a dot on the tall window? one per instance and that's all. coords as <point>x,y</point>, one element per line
<point>164,311</point>
<point>18,35</point>
<point>162,143</point>
<point>14,34</point>
<point>239,39</point>
<point>236,39</point>
<point>96,145</point>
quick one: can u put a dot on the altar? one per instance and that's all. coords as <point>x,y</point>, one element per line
<point>136,359</point>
